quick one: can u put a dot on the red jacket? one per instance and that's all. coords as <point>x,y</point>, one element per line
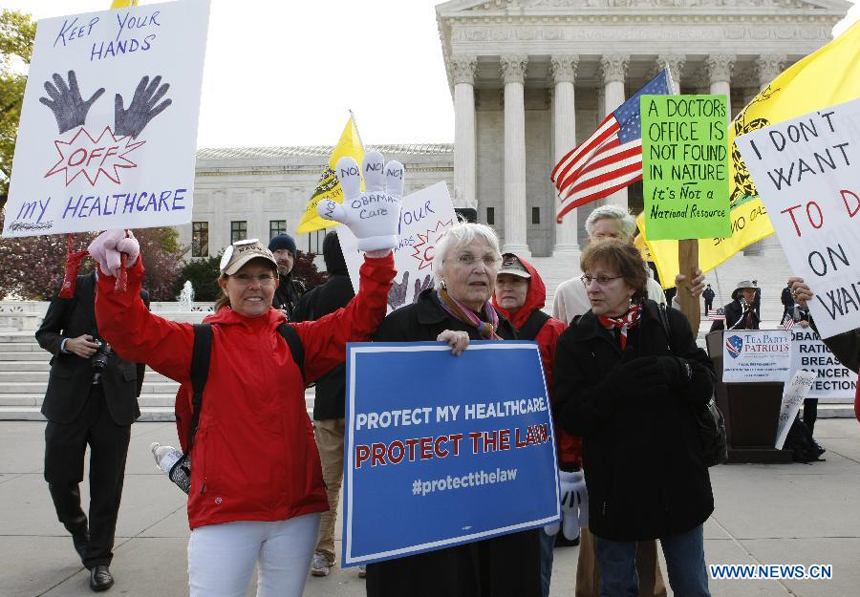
<point>569,447</point>
<point>254,456</point>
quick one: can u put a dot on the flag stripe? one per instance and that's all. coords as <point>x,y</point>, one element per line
<point>620,156</point>
<point>588,148</point>
<point>573,154</point>
<point>626,175</point>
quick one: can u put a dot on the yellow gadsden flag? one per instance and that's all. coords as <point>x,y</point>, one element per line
<point>328,187</point>
<point>826,77</point>
<point>122,4</point>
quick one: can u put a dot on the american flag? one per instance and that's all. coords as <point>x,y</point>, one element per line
<point>788,323</point>
<point>611,158</point>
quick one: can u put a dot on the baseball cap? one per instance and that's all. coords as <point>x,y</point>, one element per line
<point>512,265</point>
<point>243,251</point>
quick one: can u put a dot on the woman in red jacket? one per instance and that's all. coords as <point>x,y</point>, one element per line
<point>256,485</point>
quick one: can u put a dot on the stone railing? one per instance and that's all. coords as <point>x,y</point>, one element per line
<point>27,316</point>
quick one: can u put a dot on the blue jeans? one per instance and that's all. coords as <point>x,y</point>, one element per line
<point>685,565</point>
<point>547,542</point>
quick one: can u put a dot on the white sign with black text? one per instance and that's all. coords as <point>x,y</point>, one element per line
<point>807,172</point>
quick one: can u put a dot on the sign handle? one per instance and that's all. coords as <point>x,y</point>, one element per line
<point>688,258</point>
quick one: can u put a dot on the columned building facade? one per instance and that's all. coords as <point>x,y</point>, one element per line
<point>529,79</point>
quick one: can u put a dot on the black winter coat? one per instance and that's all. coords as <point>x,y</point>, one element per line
<point>330,398</point>
<point>642,456</point>
<point>734,321</point>
<point>71,376</point>
<point>505,566</point>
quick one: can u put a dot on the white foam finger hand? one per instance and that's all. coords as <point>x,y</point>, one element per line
<point>349,177</point>
<point>394,179</point>
<point>331,210</point>
<point>583,509</point>
<point>552,529</point>
<point>374,176</point>
<point>103,250</point>
<point>570,527</point>
<point>131,248</point>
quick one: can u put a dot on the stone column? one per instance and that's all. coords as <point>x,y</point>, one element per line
<point>768,67</point>
<point>463,70</point>
<point>219,228</point>
<point>614,69</point>
<point>674,62</point>
<point>258,226</point>
<point>720,76</point>
<point>564,114</point>
<point>513,73</point>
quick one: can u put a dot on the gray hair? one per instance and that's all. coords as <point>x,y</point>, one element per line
<point>458,235</point>
<point>612,212</point>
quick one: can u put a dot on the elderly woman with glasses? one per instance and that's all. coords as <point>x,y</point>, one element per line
<point>628,380</point>
<point>457,310</point>
<point>256,484</point>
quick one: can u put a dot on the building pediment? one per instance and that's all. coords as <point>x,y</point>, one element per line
<point>561,7</point>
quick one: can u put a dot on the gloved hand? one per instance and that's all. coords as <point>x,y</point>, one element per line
<point>640,376</point>
<point>108,246</point>
<point>574,503</point>
<point>677,370</point>
<point>372,216</point>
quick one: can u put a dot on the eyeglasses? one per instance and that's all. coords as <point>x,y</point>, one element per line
<point>602,280</point>
<point>468,260</point>
<point>245,279</point>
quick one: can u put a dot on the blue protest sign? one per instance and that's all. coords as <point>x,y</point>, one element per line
<point>443,450</point>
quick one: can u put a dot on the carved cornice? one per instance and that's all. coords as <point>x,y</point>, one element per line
<point>563,68</point>
<point>613,67</point>
<point>720,67</point>
<point>768,66</point>
<point>525,6</point>
<point>513,68</point>
<point>463,69</point>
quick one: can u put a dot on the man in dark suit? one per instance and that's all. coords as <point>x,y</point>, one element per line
<point>91,399</point>
<point>740,313</point>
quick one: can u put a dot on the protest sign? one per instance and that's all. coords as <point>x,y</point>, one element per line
<point>685,166</point>
<point>806,172</point>
<point>443,450</point>
<point>795,393</point>
<point>424,216</point>
<point>756,355</point>
<point>809,353</point>
<point>108,131</point>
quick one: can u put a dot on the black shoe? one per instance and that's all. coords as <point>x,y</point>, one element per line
<point>81,539</point>
<point>100,578</point>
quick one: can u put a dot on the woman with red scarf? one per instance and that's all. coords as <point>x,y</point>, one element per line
<point>629,390</point>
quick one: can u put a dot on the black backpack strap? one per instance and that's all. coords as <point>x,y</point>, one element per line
<point>664,319</point>
<point>199,374</point>
<point>533,325</point>
<point>295,343</point>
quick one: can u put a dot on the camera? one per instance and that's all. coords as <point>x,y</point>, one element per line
<point>99,359</point>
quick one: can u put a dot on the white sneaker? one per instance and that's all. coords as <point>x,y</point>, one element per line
<point>320,565</point>
<point>362,571</point>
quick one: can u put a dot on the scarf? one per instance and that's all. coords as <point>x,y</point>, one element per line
<point>461,312</point>
<point>623,323</point>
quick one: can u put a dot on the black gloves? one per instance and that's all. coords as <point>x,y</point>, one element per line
<point>649,376</point>
<point>677,370</point>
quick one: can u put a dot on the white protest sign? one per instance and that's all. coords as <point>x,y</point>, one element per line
<point>795,393</point>
<point>756,355</point>
<point>833,380</point>
<point>424,216</point>
<point>807,172</point>
<point>108,131</point>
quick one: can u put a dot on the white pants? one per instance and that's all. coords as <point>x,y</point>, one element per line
<point>221,557</point>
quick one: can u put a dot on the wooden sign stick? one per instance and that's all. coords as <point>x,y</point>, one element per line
<point>688,261</point>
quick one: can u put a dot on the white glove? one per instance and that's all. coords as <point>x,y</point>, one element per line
<point>108,246</point>
<point>574,503</point>
<point>374,215</point>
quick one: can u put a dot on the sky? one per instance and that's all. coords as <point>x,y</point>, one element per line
<point>310,62</point>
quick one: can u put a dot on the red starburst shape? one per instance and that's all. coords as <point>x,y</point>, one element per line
<point>424,249</point>
<point>94,157</point>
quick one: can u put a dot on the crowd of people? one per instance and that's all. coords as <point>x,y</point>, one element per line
<point>623,369</point>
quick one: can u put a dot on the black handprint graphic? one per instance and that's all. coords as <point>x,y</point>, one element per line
<point>422,286</point>
<point>397,294</point>
<point>66,103</point>
<point>142,109</point>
